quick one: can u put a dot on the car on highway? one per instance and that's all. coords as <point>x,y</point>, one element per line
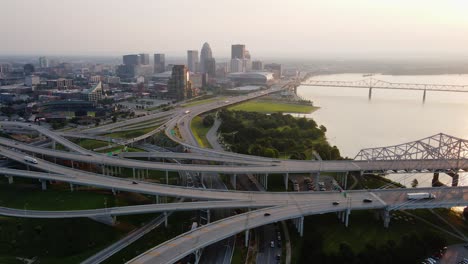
<point>278,256</point>
<point>266,214</point>
<point>336,203</point>
<point>367,200</point>
<point>134,182</point>
<point>272,244</point>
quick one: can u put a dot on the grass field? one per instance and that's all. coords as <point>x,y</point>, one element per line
<point>272,107</point>
<point>90,143</point>
<point>131,133</point>
<point>200,131</point>
<point>202,101</point>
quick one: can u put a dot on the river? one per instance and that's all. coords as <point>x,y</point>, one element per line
<point>391,117</point>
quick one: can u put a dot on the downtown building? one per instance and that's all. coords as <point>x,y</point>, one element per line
<point>192,60</point>
<point>159,63</point>
<point>179,86</point>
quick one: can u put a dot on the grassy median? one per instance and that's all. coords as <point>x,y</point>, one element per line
<point>199,132</point>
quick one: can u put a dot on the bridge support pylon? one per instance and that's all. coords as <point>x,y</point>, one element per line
<point>10,179</point>
<point>370,93</point>
<point>44,185</point>
<point>424,96</point>
<point>435,179</point>
<point>165,220</point>
<point>348,212</point>
<point>71,187</point>
<point>234,181</point>
<point>247,238</point>
<point>386,218</point>
<point>455,179</point>
<point>286,181</point>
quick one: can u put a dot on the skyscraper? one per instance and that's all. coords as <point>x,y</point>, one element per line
<point>257,65</point>
<point>238,51</point>
<point>131,60</point>
<point>205,55</point>
<point>159,63</point>
<point>192,60</point>
<point>237,65</point>
<point>43,62</point>
<point>179,86</point>
<point>144,59</point>
<point>210,67</point>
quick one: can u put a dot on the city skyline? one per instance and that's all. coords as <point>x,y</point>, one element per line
<point>300,28</point>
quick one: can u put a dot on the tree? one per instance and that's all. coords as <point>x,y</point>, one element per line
<point>414,183</point>
<point>208,121</point>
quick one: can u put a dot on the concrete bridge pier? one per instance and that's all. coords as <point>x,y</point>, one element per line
<point>71,187</point>
<point>266,182</point>
<point>316,181</point>
<point>435,179</point>
<point>299,223</point>
<point>247,238</point>
<point>54,144</point>
<point>424,96</point>
<point>10,179</point>
<point>234,181</point>
<point>348,212</point>
<point>167,177</point>
<point>133,173</point>
<point>165,219</point>
<point>44,185</point>
<point>198,254</point>
<point>286,181</point>
<point>113,191</point>
<point>455,179</point>
<point>386,218</point>
<point>370,93</point>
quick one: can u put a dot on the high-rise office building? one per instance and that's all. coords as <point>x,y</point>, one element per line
<point>205,55</point>
<point>238,51</point>
<point>131,60</point>
<point>210,67</point>
<point>237,65</point>
<point>246,54</point>
<point>192,60</point>
<point>257,65</point>
<point>159,63</point>
<point>43,62</point>
<point>144,59</point>
<point>179,86</point>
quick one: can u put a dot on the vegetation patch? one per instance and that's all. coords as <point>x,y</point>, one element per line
<point>199,131</point>
<point>273,107</point>
<point>273,135</point>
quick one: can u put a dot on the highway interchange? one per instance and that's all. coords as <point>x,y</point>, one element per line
<point>280,206</point>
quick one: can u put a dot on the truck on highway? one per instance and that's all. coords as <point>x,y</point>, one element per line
<point>420,196</point>
<point>188,111</point>
<point>30,159</point>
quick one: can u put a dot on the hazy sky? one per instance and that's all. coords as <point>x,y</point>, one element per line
<point>296,28</point>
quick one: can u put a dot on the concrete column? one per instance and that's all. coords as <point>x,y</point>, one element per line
<point>286,181</point>
<point>54,145</point>
<point>345,181</point>
<point>167,177</point>
<point>435,178</point>
<point>165,219</point>
<point>10,179</point>
<point>386,218</point>
<point>208,216</point>
<point>455,178</point>
<point>72,164</point>
<point>71,187</point>
<point>114,219</point>
<point>424,96</point>
<point>44,185</point>
<point>370,93</point>
<point>234,181</point>
<point>266,181</point>
<point>348,212</point>
<point>316,180</point>
<point>113,191</point>
<point>157,199</point>
<point>301,226</point>
<point>133,173</point>
<point>246,238</point>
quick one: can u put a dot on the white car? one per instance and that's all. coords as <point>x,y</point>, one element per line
<point>272,244</point>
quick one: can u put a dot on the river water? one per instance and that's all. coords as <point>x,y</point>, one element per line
<point>391,117</point>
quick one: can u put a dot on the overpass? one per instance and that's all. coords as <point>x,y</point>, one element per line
<point>372,83</point>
